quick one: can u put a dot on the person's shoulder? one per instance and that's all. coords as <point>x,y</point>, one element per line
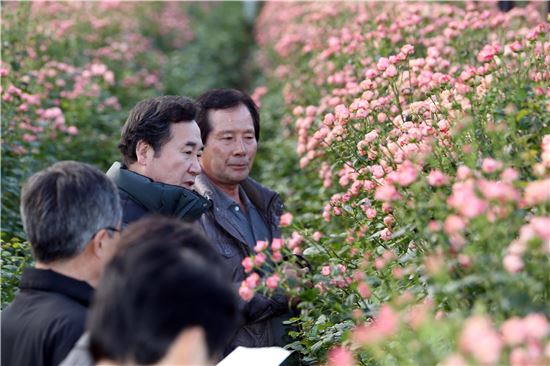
<point>132,210</point>
<point>251,182</point>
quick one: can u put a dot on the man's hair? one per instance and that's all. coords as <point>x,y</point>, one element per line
<point>165,278</point>
<point>150,121</point>
<point>63,206</point>
<point>224,99</point>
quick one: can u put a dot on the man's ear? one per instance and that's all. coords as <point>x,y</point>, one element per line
<point>144,152</point>
<point>97,243</point>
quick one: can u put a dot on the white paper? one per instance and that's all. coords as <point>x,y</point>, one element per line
<point>266,356</point>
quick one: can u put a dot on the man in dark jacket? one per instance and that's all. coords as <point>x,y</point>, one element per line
<point>243,211</point>
<point>71,214</point>
<point>160,144</point>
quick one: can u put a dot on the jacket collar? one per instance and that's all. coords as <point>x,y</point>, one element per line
<point>51,281</point>
<point>157,197</point>
<point>259,195</point>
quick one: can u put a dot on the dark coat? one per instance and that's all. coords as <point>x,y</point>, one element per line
<point>262,325</point>
<point>45,319</point>
<point>139,196</point>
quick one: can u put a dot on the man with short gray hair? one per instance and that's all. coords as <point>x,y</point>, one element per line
<point>71,214</point>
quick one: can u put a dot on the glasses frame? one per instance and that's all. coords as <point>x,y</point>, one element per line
<point>109,229</point>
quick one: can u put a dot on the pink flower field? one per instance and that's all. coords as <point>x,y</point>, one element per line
<point>422,205</point>
<point>410,141</point>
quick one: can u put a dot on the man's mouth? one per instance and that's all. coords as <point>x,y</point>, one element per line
<point>188,184</point>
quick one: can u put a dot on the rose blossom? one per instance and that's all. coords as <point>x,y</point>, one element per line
<point>437,179</point>
<point>513,331</point>
<point>536,326</point>
<point>364,290</point>
<point>340,356</point>
<point>253,280</point>
<point>276,244</point>
<point>454,224</point>
<point>513,263</point>
<point>261,245</point>
<point>245,293</point>
<point>259,259</point>
<point>480,340</point>
<point>286,219</point>
<point>317,236</point>
<point>247,264</point>
<point>272,281</point>
<point>490,165</point>
<point>385,234</point>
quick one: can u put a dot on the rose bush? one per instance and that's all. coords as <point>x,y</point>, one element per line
<point>422,205</point>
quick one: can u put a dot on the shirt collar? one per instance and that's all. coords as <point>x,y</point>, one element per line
<point>48,280</point>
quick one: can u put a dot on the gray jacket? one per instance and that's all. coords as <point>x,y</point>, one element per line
<point>263,315</point>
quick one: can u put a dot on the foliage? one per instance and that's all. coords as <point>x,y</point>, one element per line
<point>15,256</point>
<point>420,197</point>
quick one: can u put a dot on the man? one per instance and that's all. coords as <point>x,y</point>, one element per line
<point>160,145</point>
<point>163,299</point>
<point>71,213</point>
<point>243,211</point>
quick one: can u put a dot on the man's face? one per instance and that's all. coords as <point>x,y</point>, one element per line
<point>177,162</point>
<point>231,145</point>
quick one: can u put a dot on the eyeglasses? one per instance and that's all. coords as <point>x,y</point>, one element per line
<point>110,229</point>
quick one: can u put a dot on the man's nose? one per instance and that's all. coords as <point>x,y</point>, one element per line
<point>240,147</point>
<point>195,167</point>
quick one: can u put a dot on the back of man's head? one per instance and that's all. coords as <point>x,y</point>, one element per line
<point>164,280</point>
<point>63,206</point>
<point>224,99</point>
<point>150,121</point>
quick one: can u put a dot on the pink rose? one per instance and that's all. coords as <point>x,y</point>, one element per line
<point>382,117</point>
<point>247,264</point>
<point>463,172</point>
<point>325,271</point>
<point>382,64</point>
<point>277,244</point>
<point>513,331</point>
<point>340,356</point>
<point>455,360</point>
<point>536,326</point>
<point>437,179</point>
<point>479,339</point>
<point>390,72</point>
<point>245,293</point>
<point>364,290</point>
<point>371,74</point>
<point>252,281</point>
<point>277,256</point>
<point>272,281</point>
<point>72,130</point>
<point>286,219</point>
<point>385,234</point>
<point>387,321</point>
<point>261,245</point>
<point>386,193</point>
<point>259,259</point>
<point>453,224</point>
<point>513,263</point>
<point>490,165</point>
<point>537,192</point>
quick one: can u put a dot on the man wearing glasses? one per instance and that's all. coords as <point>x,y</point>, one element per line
<point>71,214</point>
